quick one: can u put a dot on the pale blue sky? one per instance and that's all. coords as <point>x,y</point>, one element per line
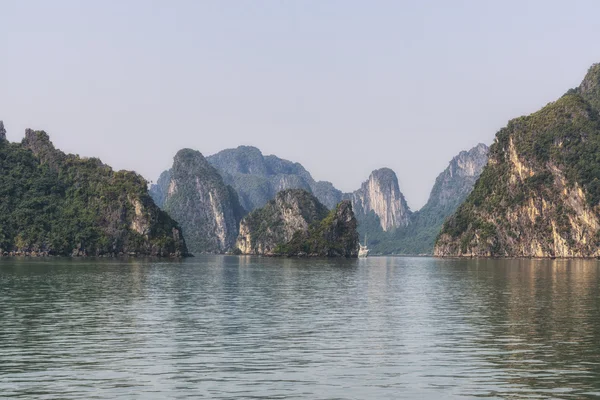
<point>342,87</point>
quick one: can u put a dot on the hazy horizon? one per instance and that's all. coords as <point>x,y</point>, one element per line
<point>342,87</point>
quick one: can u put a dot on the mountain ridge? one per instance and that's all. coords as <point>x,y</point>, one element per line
<point>258,178</point>
<point>379,205</point>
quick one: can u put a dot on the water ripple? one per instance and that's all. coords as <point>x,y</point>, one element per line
<point>241,327</point>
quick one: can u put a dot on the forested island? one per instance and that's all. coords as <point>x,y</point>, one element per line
<point>52,203</point>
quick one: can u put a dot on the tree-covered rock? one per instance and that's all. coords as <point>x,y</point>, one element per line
<point>258,178</point>
<point>62,204</point>
<point>296,223</point>
<point>334,236</point>
<point>539,194</point>
<point>194,194</point>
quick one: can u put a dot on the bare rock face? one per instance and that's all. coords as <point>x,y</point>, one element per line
<point>539,194</point>
<point>381,194</point>
<point>194,194</point>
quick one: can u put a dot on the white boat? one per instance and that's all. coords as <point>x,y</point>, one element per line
<point>363,251</point>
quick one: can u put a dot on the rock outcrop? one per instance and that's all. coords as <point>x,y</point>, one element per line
<point>2,131</point>
<point>539,194</point>
<point>381,195</point>
<point>61,204</point>
<point>257,178</point>
<point>194,194</point>
<point>295,223</point>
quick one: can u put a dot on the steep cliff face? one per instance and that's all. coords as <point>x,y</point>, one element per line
<point>257,178</point>
<point>455,183</point>
<point>57,203</point>
<point>381,195</point>
<point>195,195</point>
<point>265,228</point>
<point>540,191</point>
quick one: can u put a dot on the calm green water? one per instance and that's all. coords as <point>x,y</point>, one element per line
<point>229,327</point>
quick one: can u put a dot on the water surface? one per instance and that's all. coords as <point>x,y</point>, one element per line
<point>241,327</point>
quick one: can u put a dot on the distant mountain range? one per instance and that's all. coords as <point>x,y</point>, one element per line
<point>379,205</point>
<point>258,178</point>
<point>55,203</point>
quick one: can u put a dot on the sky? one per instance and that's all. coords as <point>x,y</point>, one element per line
<point>343,87</point>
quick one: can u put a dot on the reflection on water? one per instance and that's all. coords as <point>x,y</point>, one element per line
<point>227,327</point>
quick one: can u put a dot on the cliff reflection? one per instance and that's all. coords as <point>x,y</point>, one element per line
<point>538,321</point>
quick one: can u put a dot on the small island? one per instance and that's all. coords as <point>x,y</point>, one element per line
<point>295,223</point>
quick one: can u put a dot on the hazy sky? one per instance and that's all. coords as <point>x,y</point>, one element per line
<point>342,87</point>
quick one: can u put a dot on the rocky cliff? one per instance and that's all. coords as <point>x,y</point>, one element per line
<point>257,178</point>
<point>57,203</point>
<point>194,194</point>
<point>296,223</point>
<point>539,193</point>
<point>381,195</point>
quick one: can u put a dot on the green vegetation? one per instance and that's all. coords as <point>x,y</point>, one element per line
<point>63,204</point>
<point>333,236</point>
<point>416,238</point>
